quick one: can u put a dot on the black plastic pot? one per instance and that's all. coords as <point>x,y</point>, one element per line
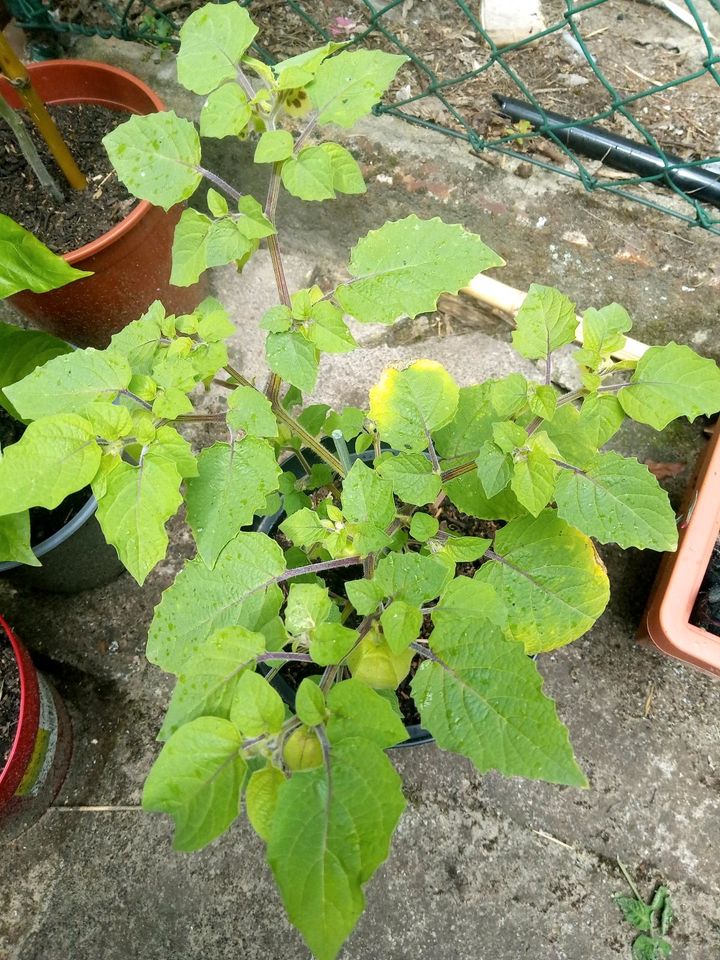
<point>417,734</point>
<point>75,558</point>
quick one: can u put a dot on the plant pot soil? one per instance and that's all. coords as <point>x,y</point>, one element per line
<point>673,621</point>
<point>131,261</point>
<point>67,540</point>
<point>39,736</point>
<point>81,215</point>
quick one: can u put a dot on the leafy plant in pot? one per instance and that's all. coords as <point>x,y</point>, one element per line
<point>359,575</point>
<point>128,260</point>
<point>62,550</point>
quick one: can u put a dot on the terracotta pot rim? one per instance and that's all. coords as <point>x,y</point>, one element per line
<point>143,207</point>
<point>23,665</point>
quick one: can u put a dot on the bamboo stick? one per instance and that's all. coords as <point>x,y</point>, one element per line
<point>18,76</point>
<point>508,300</point>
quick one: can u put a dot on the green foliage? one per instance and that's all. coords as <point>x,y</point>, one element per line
<point>654,919</point>
<point>27,264</point>
<point>365,570</point>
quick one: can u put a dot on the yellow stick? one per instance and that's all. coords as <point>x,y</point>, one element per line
<point>20,80</point>
<point>509,300</point>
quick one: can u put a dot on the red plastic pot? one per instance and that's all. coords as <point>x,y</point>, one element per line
<point>131,262</point>
<point>666,624</point>
<point>40,754</point>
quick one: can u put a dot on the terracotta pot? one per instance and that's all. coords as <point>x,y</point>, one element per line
<point>666,624</point>
<point>131,262</point>
<point>40,754</point>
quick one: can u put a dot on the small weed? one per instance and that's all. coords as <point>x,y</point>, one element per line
<point>653,919</point>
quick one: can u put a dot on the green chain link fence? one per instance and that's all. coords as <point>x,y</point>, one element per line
<point>455,68</point>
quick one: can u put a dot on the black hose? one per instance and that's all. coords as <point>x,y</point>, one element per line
<point>616,151</point>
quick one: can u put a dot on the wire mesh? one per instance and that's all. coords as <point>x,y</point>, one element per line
<point>578,62</point>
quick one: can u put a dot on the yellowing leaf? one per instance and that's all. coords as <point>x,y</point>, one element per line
<point>409,404</point>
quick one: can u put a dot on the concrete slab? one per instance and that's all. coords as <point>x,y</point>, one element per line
<point>482,868</point>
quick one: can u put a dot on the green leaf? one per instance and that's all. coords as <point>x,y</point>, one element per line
<point>310,703</point>
<point>546,320</point>
<point>328,330</point>
<point>364,595</point>
<point>68,383</point>
<point>550,578</point>
<point>108,420</point>
<point>299,71</point>
<point>601,416</point>
<point>467,494</point>
<point>27,264</point>
<point>15,539</point>
<point>213,322</point>
<point>423,527</point>
<point>467,603</point>
<point>366,497</point>
<point>401,625</point>
<point>494,468</point>
<point>404,266</point>
<point>303,528</point>
<point>465,549</point>
<point>617,500</point>
<point>54,457</point>
<point>232,485</point>
<point>253,223</point>
<point>197,780</point>
<point>509,395</point>
<point>226,243</point>
<point>326,843</point>
<point>484,700</point>
<point>277,319</point>
<point>543,400</point>
<point>257,708</point>
<point>650,948</point>
<point>207,685</point>
<point>348,86</point>
<point>226,112</point>
<point>251,411</point>
<point>533,480</point>
<point>410,577</point>
<point>346,174</point>
<point>409,404</point>
<point>201,600</point>
<point>603,331</point>
<point>134,504</point>
<point>189,250</point>
<point>139,341</point>
<point>293,358</point>
<point>212,41</point>
<point>308,605</point>
<point>21,351</point>
<point>309,175</point>
<point>635,912</point>
<point>412,477</point>
<point>573,436</point>
<point>217,204</point>
<point>157,157</point>
<point>472,424</point>
<point>331,642</point>
<point>356,710</point>
<point>261,797</point>
<point>670,382</point>
<point>273,146</point>
<point>170,446</point>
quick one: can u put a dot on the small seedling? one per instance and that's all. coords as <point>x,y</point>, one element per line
<point>652,919</point>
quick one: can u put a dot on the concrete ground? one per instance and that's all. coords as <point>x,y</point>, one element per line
<point>482,868</point>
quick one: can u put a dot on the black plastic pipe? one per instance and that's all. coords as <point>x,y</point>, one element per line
<point>616,151</point>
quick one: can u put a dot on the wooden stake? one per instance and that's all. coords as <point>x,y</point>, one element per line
<point>508,300</point>
<point>19,78</point>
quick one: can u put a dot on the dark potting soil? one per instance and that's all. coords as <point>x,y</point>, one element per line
<point>452,520</point>
<point>84,215</point>
<point>43,523</point>
<point>9,699</point>
<point>706,613</point>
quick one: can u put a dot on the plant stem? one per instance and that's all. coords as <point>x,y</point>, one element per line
<point>458,471</point>
<point>305,135</point>
<point>143,403</point>
<point>29,150</point>
<point>630,881</point>
<point>236,375</point>
<point>316,568</point>
<point>219,182</point>
<point>200,418</point>
<point>307,438</point>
